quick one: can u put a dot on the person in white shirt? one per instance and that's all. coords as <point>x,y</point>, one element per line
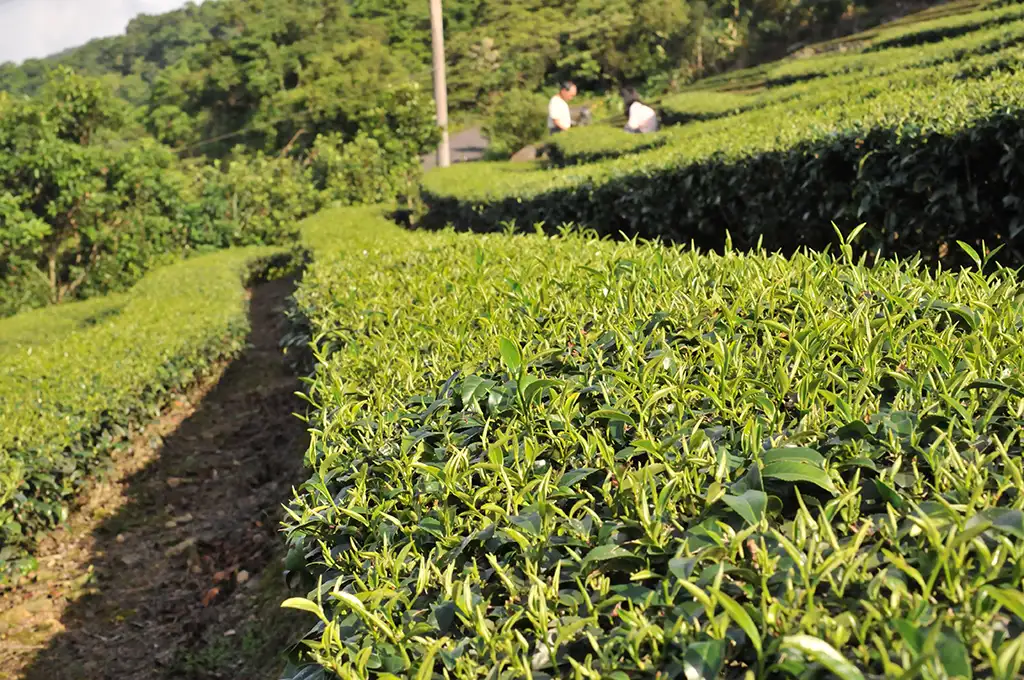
<point>559,115</point>
<point>642,118</point>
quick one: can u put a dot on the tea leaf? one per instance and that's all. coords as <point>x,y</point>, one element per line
<point>750,505</point>
<point>820,651</point>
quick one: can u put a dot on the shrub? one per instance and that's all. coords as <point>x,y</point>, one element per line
<point>925,159</point>
<point>88,204</point>
<point>67,398</point>
<point>249,200</point>
<point>519,119</point>
<point>360,171</point>
<point>598,142</point>
<point>555,457</point>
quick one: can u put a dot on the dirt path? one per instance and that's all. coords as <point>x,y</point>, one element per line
<point>171,567</point>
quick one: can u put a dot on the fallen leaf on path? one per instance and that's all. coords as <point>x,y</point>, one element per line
<point>210,595</point>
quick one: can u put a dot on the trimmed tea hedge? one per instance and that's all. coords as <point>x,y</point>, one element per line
<point>944,28</point>
<point>969,57</point>
<point>985,32</point>
<point>65,402</point>
<point>565,457</point>
<point>594,143</point>
<point>925,159</point>
<point>44,326</point>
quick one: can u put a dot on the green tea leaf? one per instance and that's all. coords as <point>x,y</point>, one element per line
<point>739,615</point>
<point>682,567</point>
<point>573,477</point>
<point>799,472</point>
<point>954,656</point>
<point>971,252</point>
<point>889,495</point>
<point>1011,600</point>
<point>444,614</point>
<point>1004,520</point>
<point>614,416</point>
<point>983,384</point>
<point>304,605</point>
<point>750,505</point>
<point>511,356</point>
<point>793,455</point>
<point>822,652</point>
<point>704,660</point>
<point>536,387</point>
<point>611,551</point>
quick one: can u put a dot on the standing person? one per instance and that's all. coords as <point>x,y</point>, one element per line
<point>642,118</point>
<point>559,115</point>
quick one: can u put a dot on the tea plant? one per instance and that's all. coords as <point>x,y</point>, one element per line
<point>67,398</point>
<point>966,32</point>
<point>925,158</point>
<point>570,457</point>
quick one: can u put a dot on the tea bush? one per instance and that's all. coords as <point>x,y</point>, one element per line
<point>599,142</point>
<point>518,119</point>
<point>944,28</point>
<point>570,457</point>
<point>984,37</point>
<point>66,399</point>
<point>925,157</point>
<point>586,146</point>
<point>359,172</point>
<point>44,326</point>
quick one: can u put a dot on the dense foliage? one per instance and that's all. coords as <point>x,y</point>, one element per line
<point>94,369</point>
<point>918,142</point>
<point>519,119</point>
<point>89,202</point>
<point>565,457</point>
<point>228,62</point>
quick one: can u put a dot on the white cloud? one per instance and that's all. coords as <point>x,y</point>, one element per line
<point>39,28</point>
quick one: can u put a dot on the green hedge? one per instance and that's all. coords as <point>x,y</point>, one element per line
<point>66,401</point>
<point>564,457</point>
<point>44,326</point>
<point>598,142</point>
<point>944,28</point>
<point>816,83</point>
<point>689,107</point>
<point>985,37</point>
<point>925,159</point>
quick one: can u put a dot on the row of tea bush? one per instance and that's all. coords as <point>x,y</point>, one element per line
<point>563,456</point>
<point>76,378</point>
<point>924,154</point>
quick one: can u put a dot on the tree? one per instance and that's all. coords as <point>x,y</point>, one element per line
<point>71,199</point>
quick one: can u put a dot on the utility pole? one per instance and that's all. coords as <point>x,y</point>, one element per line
<point>444,154</point>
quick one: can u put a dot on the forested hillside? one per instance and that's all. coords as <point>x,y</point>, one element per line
<point>229,62</point>
<point>220,124</point>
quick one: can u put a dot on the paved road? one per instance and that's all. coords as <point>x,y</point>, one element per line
<point>467,145</point>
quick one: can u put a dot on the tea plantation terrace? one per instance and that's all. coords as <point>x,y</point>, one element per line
<point>916,141</point>
<point>565,456</point>
<point>739,399</point>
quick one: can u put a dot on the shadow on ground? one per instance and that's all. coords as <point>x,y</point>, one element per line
<point>186,578</point>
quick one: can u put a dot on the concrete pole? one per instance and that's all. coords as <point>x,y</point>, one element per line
<point>444,154</point>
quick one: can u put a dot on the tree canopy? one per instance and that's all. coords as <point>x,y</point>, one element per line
<point>227,63</point>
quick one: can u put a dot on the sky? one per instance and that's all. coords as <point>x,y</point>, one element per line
<point>39,28</point>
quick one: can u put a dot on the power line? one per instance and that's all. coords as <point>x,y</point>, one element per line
<point>238,133</point>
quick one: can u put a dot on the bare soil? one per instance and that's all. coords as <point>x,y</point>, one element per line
<point>171,566</point>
